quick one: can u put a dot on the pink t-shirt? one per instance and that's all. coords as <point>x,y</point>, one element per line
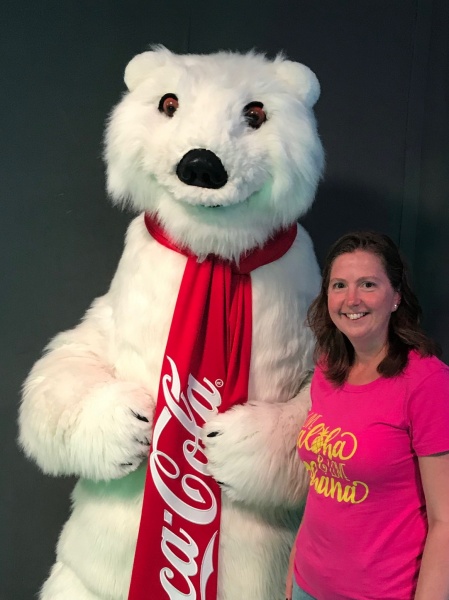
<point>365,524</point>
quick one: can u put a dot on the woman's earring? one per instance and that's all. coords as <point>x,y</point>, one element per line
<point>395,306</point>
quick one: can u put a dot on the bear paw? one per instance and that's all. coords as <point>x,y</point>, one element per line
<point>233,442</point>
<point>114,431</point>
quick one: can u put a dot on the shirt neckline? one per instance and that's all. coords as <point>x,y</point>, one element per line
<point>363,387</point>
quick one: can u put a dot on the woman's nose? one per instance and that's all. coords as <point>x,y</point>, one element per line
<point>353,297</point>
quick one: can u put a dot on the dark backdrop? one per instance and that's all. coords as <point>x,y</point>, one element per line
<point>383,118</point>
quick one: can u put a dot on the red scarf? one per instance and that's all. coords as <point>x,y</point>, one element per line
<point>205,370</point>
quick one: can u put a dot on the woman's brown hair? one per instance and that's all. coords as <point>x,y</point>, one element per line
<point>404,333</point>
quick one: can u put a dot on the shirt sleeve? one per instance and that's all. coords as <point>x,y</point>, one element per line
<point>428,411</point>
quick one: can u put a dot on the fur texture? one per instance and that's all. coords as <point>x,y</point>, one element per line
<point>83,399</point>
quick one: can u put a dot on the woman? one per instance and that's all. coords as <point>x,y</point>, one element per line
<point>376,440</point>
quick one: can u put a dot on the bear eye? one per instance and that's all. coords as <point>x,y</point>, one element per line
<point>168,104</point>
<point>254,114</point>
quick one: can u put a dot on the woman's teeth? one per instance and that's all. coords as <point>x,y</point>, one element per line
<point>355,316</point>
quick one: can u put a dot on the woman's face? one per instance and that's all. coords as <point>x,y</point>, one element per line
<point>361,299</point>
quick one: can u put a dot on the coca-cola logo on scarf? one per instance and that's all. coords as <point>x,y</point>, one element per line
<point>183,491</point>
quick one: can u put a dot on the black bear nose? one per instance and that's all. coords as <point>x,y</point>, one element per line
<point>202,168</point>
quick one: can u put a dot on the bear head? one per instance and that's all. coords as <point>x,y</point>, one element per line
<point>221,148</point>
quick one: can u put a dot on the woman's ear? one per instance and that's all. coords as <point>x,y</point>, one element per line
<point>397,301</point>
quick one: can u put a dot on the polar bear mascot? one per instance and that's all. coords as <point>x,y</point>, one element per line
<point>178,398</point>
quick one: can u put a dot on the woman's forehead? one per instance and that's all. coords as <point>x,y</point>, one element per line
<point>359,261</point>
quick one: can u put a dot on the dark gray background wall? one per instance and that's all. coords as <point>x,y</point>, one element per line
<point>383,118</point>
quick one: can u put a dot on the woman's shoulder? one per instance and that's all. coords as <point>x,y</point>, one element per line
<point>420,368</point>
<point>320,368</point>
<point>319,379</point>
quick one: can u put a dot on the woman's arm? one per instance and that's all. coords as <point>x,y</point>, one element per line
<point>291,569</point>
<point>433,581</point>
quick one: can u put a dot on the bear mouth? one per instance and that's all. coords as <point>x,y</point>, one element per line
<point>210,203</point>
<point>223,206</point>
<point>215,206</point>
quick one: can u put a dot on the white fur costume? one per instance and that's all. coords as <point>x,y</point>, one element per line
<point>78,414</point>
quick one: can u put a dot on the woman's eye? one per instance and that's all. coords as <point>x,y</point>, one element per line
<point>254,114</point>
<point>369,284</point>
<point>168,104</point>
<point>338,285</point>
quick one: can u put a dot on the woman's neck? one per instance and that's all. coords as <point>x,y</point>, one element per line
<point>364,370</point>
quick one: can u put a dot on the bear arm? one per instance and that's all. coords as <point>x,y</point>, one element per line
<point>251,451</point>
<point>76,418</point>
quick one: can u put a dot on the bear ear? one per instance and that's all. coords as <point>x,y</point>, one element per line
<point>301,79</point>
<point>141,66</point>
